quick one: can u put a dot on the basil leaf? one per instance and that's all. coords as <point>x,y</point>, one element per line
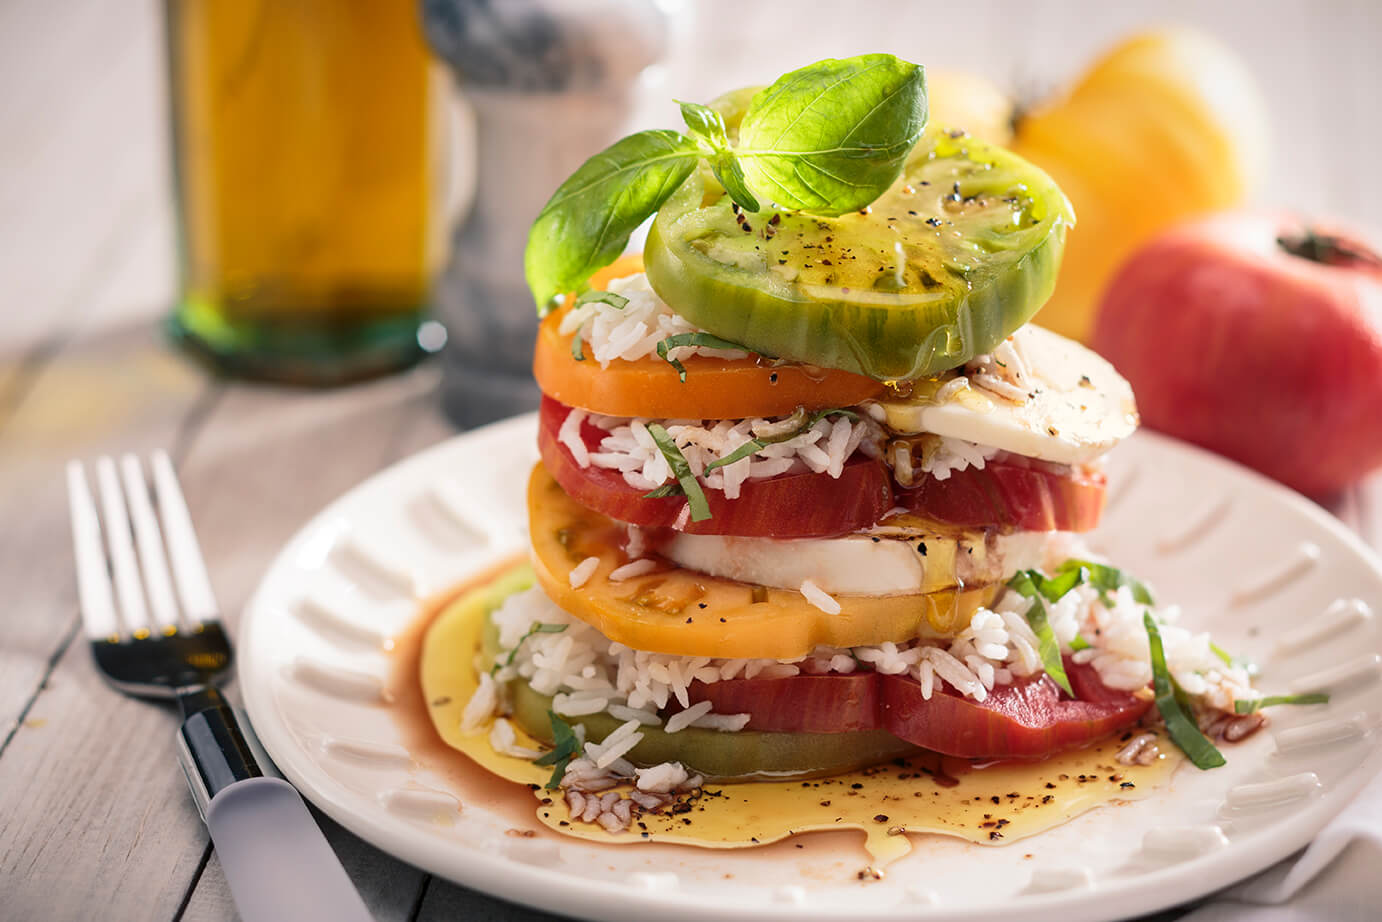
<point>705,123</point>
<point>588,220</point>
<point>667,489</point>
<point>730,172</point>
<point>565,746</point>
<point>833,136</point>
<point>1251,705</point>
<point>619,302</point>
<point>1024,584</point>
<point>1180,725</point>
<point>576,352</point>
<point>695,497</point>
<point>691,339</point>
<point>1079,643</point>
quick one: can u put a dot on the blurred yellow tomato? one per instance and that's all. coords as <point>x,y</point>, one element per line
<point>959,100</point>
<point>1167,125</point>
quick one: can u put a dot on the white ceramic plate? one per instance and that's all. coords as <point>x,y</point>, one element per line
<point>1255,563</point>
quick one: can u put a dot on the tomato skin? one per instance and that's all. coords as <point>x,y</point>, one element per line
<point>831,703</point>
<point>1028,719</point>
<point>1011,492</point>
<point>804,505</point>
<point>713,389</point>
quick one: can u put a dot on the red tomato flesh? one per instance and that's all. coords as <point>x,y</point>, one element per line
<point>1014,492</point>
<point>804,505</point>
<point>1028,719</point>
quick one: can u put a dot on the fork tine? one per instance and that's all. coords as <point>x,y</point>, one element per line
<point>149,540</point>
<point>189,571</point>
<point>93,580</point>
<point>122,562</point>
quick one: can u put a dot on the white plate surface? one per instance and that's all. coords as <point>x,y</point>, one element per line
<point>1267,571</point>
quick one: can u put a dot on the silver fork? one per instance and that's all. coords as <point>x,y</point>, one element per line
<point>276,860</point>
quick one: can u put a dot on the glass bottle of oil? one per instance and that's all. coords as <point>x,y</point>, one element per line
<point>307,167</point>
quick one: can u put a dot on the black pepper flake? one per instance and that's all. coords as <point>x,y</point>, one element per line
<point>722,620</point>
<point>1127,784</point>
<point>772,377</point>
<point>702,605</point>
<point>996,799</point>
<point>857,786</point>
<point>880,818</point>
<point>1047,798</point>
<point>688,620</point>
<point>825,803</point>
<point>921,548</point>
<point>775,220</point>
<point>934,222</point>
<point>995,835</point>
<point>875,539</point>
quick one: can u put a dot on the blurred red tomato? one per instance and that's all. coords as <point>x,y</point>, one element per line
<point>1259,337</point>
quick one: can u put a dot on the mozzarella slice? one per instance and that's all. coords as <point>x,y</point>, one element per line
<point>863,564</point>
<point>1077,408</point>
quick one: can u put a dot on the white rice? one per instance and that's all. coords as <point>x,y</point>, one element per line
<point>504,739</point>
<point>819,598</point>
<point>632,569</point>
<point>683,719</point>
<point>633,331</point>
<point>628,447</point>
<point>583,571</point>
<point>482,705</point>
<point>590,673</point>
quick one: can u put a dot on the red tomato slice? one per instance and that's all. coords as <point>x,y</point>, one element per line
<point>1027,719</point>
<point>802,505</point>
<point>1011,491</point>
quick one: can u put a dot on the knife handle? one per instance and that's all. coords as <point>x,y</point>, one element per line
<point>275,858</point>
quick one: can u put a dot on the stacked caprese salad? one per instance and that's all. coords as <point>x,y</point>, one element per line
<point>811,496</point>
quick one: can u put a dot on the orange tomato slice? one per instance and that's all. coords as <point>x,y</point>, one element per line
<point>713,389</point>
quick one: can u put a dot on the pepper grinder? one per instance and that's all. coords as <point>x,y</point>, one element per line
<point>551,83</point>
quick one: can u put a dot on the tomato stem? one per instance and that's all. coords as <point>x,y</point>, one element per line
<point>1328,249</point>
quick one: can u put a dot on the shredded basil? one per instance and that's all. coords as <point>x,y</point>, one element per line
<point>1025,583</point>
<point>1230,660</point>
<point>692,339</point>
<point>1105,579</point>
<point>804,422</point>
<point>681,469</point>
<point>565,746</point>
<point>1179,724</point>
<point>667,489</point>
<point>1079,643</point>
<point>618,302</point>
<point>1252,705</point>
<point>576,352</point>
<point>538,628</point>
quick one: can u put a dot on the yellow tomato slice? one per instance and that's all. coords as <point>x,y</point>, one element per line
<point>713,389</point>
<point>687,613</point>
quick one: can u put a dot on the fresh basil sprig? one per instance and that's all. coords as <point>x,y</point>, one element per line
<point>1104,578</point>
<point>565,747</point>
<point>1179,722</point>
<point>1252,705</point>
<point>537,628</point>
<point>828,138</point>
<point>681,469</point>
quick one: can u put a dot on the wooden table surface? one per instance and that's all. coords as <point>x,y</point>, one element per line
<point>95,818</point>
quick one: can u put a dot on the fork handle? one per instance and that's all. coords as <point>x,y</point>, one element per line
<point>275,858</point>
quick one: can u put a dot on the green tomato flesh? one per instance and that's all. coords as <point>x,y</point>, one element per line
<point>958,254</point>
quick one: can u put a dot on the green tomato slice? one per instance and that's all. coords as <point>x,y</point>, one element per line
<point>958,254</point>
